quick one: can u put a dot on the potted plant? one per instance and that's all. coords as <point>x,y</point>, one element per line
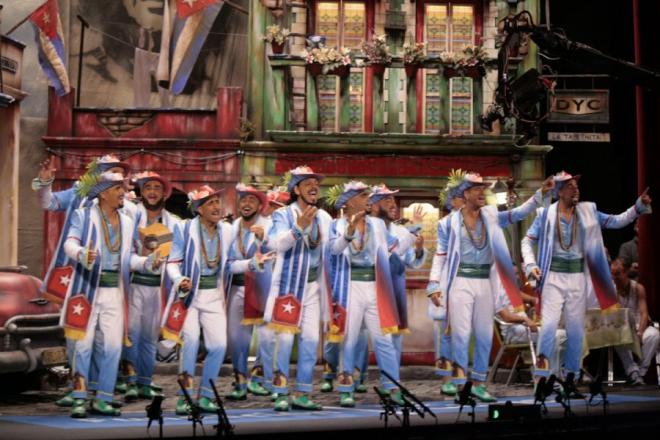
<point>328,60</point>
<point>413,57</point>
<point>378,54</point>
<point>276,36</point>
<point>470,62</point>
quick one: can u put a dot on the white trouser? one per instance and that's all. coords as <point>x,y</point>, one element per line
<point>207,312</point>
<point>143,331</point>
<point>650,343</point>
<point>565,292</point>
<point>471,310</point>
<point>363,308</point>
<point>106,327</point>
<point>308,340</point>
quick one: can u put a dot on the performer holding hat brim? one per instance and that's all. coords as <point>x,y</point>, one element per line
<point>570,260</point>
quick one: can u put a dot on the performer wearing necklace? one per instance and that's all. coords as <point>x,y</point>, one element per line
<point>478,263</point>
<point>99,240</point>
<point>148,291</point>
<point>362,291</point>
<point>60,270</point>
<point>299,294</point>
<point>570,259</point>
<point>451,202</point>
<point>248,294</point>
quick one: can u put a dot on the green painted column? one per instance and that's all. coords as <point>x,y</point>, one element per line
<point>312,103</point>
<point>477,104</point>
<point>344,103</point>
<point>395,40</point>
<point>256,66</point>
<point>445,110</point>
<point>378,104</point>
<point>411,104</point>
<point>278,102</point>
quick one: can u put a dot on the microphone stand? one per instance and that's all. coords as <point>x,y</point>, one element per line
<point>408,395</point>
<point>195,415</point>
<point>223,428</point>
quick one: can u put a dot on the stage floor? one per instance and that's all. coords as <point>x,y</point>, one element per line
<point>265,421</point>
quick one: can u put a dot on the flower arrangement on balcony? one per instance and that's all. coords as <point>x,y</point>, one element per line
<point>378,54</point>
<point>413,57</point>
<point>470,62</point>
<point>328,60</point>
<point>276,36</point>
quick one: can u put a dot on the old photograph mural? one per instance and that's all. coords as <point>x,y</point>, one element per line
<point>121,50</point>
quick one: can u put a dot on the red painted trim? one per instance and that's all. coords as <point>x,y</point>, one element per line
<point>147,144</point>
<point>478,22</point>
<point>410,357</point>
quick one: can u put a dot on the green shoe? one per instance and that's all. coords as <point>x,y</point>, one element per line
<point>147,392</point>
<point>104,408</point>
<point>257,389</point>
<point>207,405</point>
<point>66,401</point>
<point>131,394</point>
<point>78,410</point>
<point>327,386</point>
<point>346,400</point>
<point>116,403</point>
<point>481,393</point>
<point>282,403</point>
<point>182,407</point>
<point>120,386</point>
<point>383,391</point>
<point>237,394</point>
<point>157,388</point>
<point>273,397</point>
<point>448,389</point>
<point>304,402</point>
<point>397,398</point>
<point>361,388</point>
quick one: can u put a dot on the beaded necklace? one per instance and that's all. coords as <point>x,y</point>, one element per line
<point>211,264</point>
<point>357,245</point>
<point>481,244</point>
<point>567,247</point>
<point>113,248</point>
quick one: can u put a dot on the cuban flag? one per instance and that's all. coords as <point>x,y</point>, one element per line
<point>192,23</point>
<point>50,43</point>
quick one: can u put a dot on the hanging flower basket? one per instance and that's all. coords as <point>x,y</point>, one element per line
<point>278,48</point>
<point>341,71</point>
<point>411,69</point>
<point>379,69</point>
<point>474,72</point>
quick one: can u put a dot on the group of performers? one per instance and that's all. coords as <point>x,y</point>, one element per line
<point>129,272</point>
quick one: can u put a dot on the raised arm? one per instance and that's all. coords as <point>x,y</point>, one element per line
<point>642,206</point>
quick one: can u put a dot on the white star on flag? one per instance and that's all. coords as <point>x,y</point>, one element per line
<point>337,315</point>
<point>288,307</point>
<point>78,309</point>
<point>65,280</point>
<point>46,18</point>
<point>190,3</point>
<point>176,314</point>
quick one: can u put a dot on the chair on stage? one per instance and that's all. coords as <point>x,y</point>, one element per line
<point>523,351</point>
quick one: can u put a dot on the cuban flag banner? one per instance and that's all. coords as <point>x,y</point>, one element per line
<point>50,44</point>
<point>192,24</point>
